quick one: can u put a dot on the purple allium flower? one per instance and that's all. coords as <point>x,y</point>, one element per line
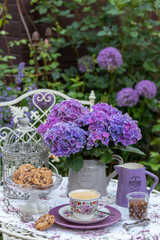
<point>67,111</point>
<point>86,64</point>
<point>20,75</point>
<point>106,124</point>
<point>85,209</point>
<point>146,88</point>
<point>43,100</point>
<point>127,97</point>
<point>109,58</point>
<point>65,139</point>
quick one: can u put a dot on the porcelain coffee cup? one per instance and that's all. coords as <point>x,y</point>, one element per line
<point>84,203</point>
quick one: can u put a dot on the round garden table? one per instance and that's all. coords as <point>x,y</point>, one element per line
<point>13,228</point>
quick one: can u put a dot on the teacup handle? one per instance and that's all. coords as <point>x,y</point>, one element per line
<point>102,201</point>
<point>114,173</point>
<point>155,178</point>
<point>102,206</point>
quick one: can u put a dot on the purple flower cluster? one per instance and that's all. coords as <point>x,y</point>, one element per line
<point>67,111</point>
<point>86,64</point>
<point>20,75</point>
<point>63,131</point>
<point>146,88</point>
<point>124,130</point>
<point>6,118</point>
<point>65,139</point>
<point>106,124</point>
<point>127,97</point>
<point>109,58</point>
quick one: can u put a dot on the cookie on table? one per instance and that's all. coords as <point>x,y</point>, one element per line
<point>44,222</point>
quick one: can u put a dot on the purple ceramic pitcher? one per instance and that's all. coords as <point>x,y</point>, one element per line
<point>132,178</point>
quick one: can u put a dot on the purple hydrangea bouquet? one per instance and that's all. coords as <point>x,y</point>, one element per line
<point>73,132</point>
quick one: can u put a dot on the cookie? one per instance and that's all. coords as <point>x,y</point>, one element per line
<point>41,180</point>
<point>16,175</point>
<point>44,222</point>
<point>46,171</point>
<point>27,176</point>
<point>26,167</point>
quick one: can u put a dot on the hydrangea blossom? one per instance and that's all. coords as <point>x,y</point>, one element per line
<point>86,64</point>
<point>71,128</point>
<point>65,139</point>
<point>106,124</point>
<point>146,88</point>
<point>110,58</point>
<point>124,130</point>
<point>127,97</point>
<point>67,111</point>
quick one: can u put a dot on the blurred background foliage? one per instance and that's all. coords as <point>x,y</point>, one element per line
<point>131,26</point>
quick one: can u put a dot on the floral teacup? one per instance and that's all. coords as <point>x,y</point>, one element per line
<point>84,203</point>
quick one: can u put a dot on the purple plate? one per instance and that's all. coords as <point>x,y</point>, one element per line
<point>106,222</point>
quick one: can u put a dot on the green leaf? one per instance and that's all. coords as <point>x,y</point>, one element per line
<point>150,66</point>
<point>75,162</point>
<point>106,157</point>
<point>101,33</point>
<point>43,10</point>
<point>3,32</point>
<point>54,65</point>
<point>97,152</point>
<point>23,41</point>
<point>156,128</point>
<point>1,83</point>
<point>134,34</point>
<point>133,149</point>
<point>55,74</point>
<point>155,141</point>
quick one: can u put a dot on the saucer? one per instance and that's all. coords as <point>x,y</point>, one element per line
<point>66,213</point>
<point>106,222</point>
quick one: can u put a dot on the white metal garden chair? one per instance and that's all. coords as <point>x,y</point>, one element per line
<point>42,101</point>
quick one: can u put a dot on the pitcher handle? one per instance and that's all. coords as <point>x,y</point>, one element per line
<point>155,178</point>
<point>114,173</point>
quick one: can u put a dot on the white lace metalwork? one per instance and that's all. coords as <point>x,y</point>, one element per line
<point>11,232</point>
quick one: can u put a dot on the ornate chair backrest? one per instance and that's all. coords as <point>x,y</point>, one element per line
<point>36,104</point>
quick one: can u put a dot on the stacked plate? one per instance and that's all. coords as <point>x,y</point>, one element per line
<point>65,218</point>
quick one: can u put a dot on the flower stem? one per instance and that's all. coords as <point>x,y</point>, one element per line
<point>129,109</point>
<point>84,83</point>
<point>142,108</point>
<point>113,76</point>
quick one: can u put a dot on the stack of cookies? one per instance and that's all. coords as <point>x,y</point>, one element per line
<point>27,174</point>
